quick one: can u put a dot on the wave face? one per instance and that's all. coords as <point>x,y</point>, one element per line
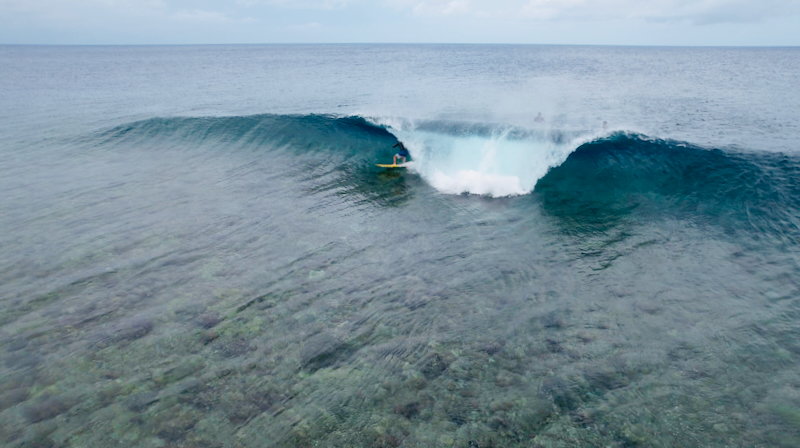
<point>591,181</point>
<point>575,168</point>
<point>350,137</point>
<point>623,171</point>
<point>582,179</point>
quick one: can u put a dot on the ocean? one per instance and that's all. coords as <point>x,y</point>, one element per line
<point>197,248</point>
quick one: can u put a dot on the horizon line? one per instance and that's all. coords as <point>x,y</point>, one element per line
<point>386,43</point>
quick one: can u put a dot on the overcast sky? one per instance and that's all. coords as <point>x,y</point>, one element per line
<point>613,22</point>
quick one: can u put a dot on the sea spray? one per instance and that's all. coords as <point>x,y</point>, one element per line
<point>498,161</point>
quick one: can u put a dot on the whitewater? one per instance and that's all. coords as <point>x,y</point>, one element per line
<point>489,160</point>
<point>197,247</point>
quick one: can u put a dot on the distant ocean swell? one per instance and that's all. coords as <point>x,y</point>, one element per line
<point>572,171</point>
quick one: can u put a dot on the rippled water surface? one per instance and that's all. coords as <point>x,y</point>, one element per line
<point>197,249</point>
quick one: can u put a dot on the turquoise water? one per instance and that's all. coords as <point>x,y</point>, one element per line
<point>198,249</point>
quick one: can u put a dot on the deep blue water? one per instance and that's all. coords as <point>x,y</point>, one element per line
<point>197,249</point>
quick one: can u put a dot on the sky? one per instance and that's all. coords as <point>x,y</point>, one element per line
<point>570,22</point>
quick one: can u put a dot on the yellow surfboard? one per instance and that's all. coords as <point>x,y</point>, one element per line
<point>399,165</point>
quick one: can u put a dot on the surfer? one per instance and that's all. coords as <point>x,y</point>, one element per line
<point>402,153</point>
<point>539,118</point>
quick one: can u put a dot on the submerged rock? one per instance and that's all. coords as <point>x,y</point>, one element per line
<point>235,348</point>
<point>408,411</point>
<point>178,372</point>
<point>12,398</point>
<point>492,347</point>
<point>133,329</point>
<point>207,336</point>
<point>140,402</point>
<point>321,351</point>
<point>435,364</point>
<point>564,393</point>
<point>208,320</point>
<point>47,408</point>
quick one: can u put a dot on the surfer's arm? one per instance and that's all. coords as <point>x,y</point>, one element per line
<point>395,146</point>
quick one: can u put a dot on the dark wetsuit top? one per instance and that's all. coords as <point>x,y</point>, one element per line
<point>403,151</point>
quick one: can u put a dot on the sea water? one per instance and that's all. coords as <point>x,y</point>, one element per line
<point>197,249</point>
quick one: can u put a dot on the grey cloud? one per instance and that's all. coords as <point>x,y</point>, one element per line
<point>699,12</point>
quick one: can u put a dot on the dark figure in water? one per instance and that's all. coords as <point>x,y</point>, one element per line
<point>539,118</point>
<point>403,153</point>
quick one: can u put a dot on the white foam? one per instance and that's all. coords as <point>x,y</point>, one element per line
<point>485,165</point>
<point>475,182</point>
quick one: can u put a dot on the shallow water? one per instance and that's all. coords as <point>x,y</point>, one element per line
<point>197,249</point>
